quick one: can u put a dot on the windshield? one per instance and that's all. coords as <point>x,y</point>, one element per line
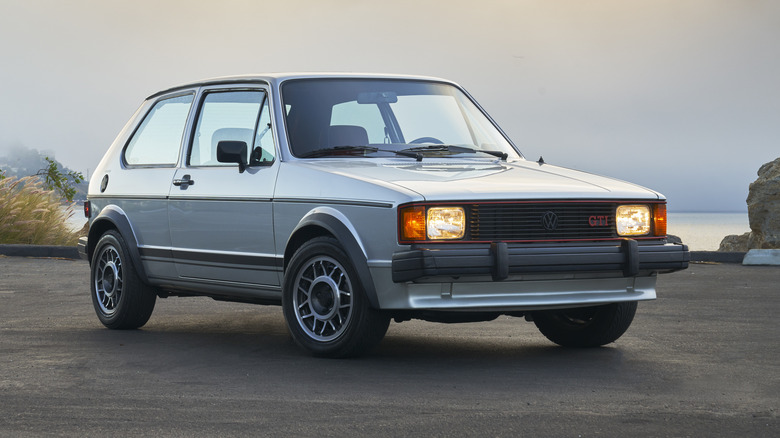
<point>381,117</point>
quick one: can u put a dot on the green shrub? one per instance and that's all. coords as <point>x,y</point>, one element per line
<point>62,181</point>
<point>31,215</point>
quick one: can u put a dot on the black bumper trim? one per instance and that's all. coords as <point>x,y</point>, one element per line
<point>500,260</point>
<point>82,246</point>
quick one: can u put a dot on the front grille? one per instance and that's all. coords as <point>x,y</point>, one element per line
<point>542,221</point>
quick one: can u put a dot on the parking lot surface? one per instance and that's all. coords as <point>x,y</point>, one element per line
<point>700,361</point>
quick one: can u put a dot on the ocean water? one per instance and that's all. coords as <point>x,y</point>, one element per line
<point>704,231</point>
<point>75,215</point>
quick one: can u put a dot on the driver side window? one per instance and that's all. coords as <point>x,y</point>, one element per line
<point>232,116</point>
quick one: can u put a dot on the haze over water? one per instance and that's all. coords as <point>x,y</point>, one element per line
<point>705,231</point>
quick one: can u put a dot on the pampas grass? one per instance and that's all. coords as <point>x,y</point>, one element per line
<point>31,215</point>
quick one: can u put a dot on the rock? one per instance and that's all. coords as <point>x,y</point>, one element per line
<point>763,204</point>
<point>735,243</point>
<point>764,207</point>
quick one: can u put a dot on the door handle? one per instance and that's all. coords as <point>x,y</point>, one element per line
<point>186,180</point>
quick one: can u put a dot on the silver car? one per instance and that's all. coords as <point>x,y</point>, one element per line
<point>351,200</point>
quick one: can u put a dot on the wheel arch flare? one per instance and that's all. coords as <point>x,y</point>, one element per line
<point>324,221</point>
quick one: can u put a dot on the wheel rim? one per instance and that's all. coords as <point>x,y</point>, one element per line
<point>108,280</point>
<point>323,299</point>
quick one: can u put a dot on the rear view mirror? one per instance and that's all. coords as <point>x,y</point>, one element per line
<point>377,97</point>
<point>232,152</point>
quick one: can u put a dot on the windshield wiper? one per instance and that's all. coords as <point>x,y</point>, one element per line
<point>458,150</point>
<point>336,150</point>
<point>365,149</point>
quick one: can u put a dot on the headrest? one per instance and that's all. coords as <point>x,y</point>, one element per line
<point>347,135</point>
<point>232,134</point>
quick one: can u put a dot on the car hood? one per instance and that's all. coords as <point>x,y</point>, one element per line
<point>449,179</point>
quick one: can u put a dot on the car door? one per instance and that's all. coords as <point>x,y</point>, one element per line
<point>139,187</point>
<point>220,216</point>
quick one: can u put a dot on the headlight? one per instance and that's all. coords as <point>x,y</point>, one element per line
<point>633,220</point>
<point>416,222</point>
<point>446,223</point>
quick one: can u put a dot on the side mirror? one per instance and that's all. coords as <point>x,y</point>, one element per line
<point>232,152</point>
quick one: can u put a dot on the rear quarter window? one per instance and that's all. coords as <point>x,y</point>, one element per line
<point>158,138</point>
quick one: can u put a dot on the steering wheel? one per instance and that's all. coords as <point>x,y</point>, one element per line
<point>426,140</point>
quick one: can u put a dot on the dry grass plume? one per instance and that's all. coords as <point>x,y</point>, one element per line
<point>31,215</point>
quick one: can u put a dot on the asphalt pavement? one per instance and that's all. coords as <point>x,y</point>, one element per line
<point>700,361</point>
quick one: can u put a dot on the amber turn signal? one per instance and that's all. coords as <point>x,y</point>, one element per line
<point>659,219</point>
<point>413,223</point>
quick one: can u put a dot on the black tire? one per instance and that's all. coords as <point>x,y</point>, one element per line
<point>325,305</point>
<point>586,326</point>
<point>121,299</point>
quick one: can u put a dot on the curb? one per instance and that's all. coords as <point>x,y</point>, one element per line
<point>717,256</point>
<point>762,257</point>
<point>65,252</point>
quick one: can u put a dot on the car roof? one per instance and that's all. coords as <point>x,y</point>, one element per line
<point>277,78</point>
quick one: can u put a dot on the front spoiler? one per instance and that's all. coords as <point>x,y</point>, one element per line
<point>500,259</point>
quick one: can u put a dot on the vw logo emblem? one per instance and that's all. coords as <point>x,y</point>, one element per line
<point>549,221</point>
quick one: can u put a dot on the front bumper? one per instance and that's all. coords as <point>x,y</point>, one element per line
<point>501,260</point>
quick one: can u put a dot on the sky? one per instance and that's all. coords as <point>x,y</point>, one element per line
<point>682,96</point>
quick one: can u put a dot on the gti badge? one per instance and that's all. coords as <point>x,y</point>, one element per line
<point>598,221</point>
